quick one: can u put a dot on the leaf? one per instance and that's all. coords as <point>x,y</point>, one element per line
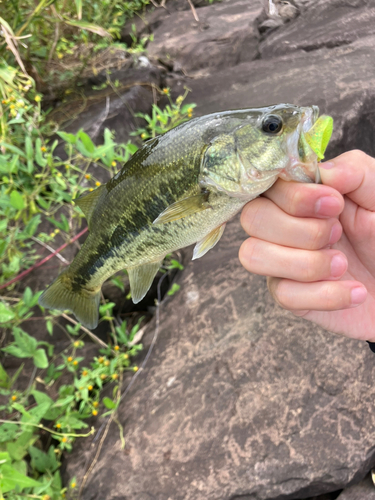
<point>14,149</point>
<point>32,225</point>
<point>69,138</point>
<point>174,288</point>
<point>4,379</point>
<point>94,28</point>
<point>39,460</point>
<point>8,432</point>
<point>40,358</point>
<point>49,326</point>
<point>10,478</point>
<point>24,341</point>
<point>6,314</point>
<point>108,403</point>
<point>16,200</point>
<point>79,8</point>
<point>29,148</point>
<point>27,295</point>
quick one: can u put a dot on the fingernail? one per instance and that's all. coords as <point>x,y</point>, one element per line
<point>328,206</point>
<point>327,165</point>
<point>335,233</point>
<point>338,265</point>
<point>358,295</point>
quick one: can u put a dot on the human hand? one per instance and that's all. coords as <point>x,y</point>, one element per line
<point>316,244</point>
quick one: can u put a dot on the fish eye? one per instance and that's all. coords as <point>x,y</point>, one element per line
<point>272,124</point>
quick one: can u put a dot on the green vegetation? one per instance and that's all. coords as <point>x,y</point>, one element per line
<point>57,39</point>
<point>52,41</point>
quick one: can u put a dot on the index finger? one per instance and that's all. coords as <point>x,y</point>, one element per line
<point>352,174</point>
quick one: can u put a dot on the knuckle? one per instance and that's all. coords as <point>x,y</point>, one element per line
<point>250,216</point>
<point>331,299</point>
<point>296,197</point>
<point>309,269</point>
<point>318,235</point>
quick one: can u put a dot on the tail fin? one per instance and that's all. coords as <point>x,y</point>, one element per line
<point>82,303</point>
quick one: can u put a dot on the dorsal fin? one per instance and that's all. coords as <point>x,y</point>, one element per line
<point>87,202</point>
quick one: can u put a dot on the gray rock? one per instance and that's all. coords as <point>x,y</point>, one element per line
<point>225,35</point>
<point>365,490</point>
<point>322,24</point>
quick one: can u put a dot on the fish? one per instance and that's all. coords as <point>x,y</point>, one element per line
<point>180,189</point>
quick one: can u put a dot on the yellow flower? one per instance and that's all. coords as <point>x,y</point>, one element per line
<point>95,404</point>
<point>190,110</point>
<point>58,426</point>
<point>179,100</point>
<point>70,359</point>
<point>73,485</point>
<point>87,176</point>
<point>43,148</point>
<point>60,56</point>
<point>143,136</point>
<point>94,412</point>
<point>75,362</point>
<point>116,348</point>
<point>52,234</point>
<point>166,91</point>
<point>90,388</point>
<point>64,439</point>
<point>46,497</point>
<point>12,106</point>
<point>57,231</point>
<point>84,373</point>
<point>135,368</point>
<point>115,376</point>
<point>67,166</point>
<point>126,356</point>
<point>103,376</point>
<point>4,101</point>
<point>113,164</point>
<point>106,363</point>
<point>77,343</point>
<point>14,398</point>
<point>101,359</point>
<point>91,189</point>
<point>37,98</point>
<point>97,183</point>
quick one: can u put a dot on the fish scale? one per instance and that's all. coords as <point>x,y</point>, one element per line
<point>180,189</point>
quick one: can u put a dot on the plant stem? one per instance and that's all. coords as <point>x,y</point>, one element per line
<point>43,261</point>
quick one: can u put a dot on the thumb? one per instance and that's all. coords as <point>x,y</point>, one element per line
<point>352,174</point>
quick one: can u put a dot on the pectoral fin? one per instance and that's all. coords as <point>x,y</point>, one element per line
<point>208,242</point>
<point>87,203</point>
<point>141,278</point>
<point>183,208</point>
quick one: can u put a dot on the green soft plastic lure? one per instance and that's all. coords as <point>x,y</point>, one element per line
<point>319,135</point>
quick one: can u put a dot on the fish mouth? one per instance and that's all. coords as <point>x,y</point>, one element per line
<point>308,144</point>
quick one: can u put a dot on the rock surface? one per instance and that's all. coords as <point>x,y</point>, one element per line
<point>240,400</point>
<point>224,36</point>
<point>365,490</point>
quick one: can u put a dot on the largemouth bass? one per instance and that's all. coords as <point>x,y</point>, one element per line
<point>181,188</point>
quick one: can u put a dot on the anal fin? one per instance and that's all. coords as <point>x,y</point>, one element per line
<point>184,208</point>
<point>208,242</point>
<point>141,278</point>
